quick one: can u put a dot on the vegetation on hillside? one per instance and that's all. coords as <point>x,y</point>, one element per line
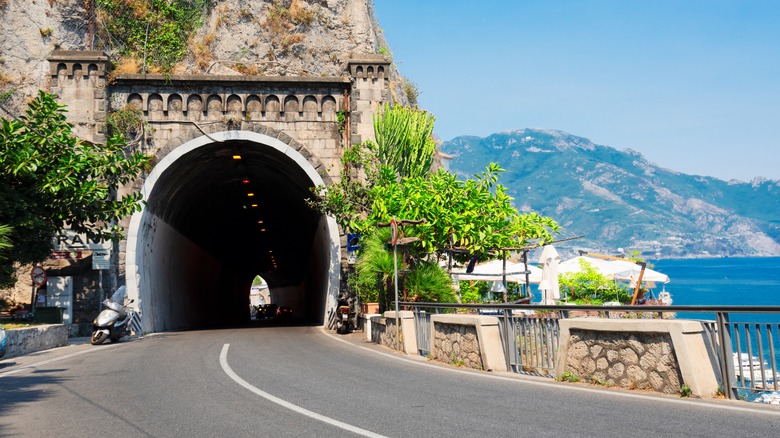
<point>49,179</point>
<point>154,33</point>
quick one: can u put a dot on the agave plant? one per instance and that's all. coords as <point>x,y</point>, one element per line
<point>375,264</point>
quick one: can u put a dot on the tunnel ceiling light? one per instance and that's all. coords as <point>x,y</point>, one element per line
<point>236,156</point>
<point>250,194</point>
<point>245,181</point>
<point>254,205</point>
<point>260,221</point>
<point>262,229</point>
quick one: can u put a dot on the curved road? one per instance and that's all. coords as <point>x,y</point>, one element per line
<point>302,382</point>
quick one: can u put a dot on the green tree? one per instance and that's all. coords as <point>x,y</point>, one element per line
<point>475,215</point>
<point>391,179</point>
<point>50,179</point>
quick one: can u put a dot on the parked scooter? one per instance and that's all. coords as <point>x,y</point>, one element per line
<point>344,317</point>
<point>112,321</point>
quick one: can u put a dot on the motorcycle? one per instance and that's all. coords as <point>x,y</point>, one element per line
<point>111,323</point>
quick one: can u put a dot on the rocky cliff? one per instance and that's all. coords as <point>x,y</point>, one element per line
<point>231,37</point>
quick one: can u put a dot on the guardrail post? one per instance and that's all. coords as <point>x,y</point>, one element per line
<point>724,338</point>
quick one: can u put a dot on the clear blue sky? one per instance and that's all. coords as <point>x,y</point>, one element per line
<point>693,85</point>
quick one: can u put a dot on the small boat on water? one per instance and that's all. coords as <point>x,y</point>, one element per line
<point>744,363</point>
<point>753,371</point>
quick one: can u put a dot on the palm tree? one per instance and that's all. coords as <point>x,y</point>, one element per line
<point>429,283</point>
<point>5,240</point>
<point>375,265</point>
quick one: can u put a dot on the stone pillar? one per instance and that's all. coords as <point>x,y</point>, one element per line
<point>78,78</point>
<point>370,90</point>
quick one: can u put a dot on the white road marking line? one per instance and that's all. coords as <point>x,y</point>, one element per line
<point>229,371</point>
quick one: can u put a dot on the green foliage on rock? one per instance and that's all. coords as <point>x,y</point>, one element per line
<point>49,179</point>
<point>159,29</point>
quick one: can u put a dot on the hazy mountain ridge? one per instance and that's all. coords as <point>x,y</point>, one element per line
<point>618,199</point>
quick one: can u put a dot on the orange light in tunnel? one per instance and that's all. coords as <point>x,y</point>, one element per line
<point>245,181</point>
<point>250,194</point>
<point>236,156</point>
<point>254,205</point>
<point>260,222</point>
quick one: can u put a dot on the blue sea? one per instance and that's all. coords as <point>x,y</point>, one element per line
<point>731,281</point>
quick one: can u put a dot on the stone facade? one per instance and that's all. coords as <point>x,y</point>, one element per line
<point>627,360</point>
<point>456,344</point>
<point>317,116</point>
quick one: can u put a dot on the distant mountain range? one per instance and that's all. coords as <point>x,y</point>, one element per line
<point>617,199</point>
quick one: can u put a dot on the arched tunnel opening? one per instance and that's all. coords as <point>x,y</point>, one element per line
<point>221,210</point>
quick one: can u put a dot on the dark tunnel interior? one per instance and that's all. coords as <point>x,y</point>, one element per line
<point>220,215</point>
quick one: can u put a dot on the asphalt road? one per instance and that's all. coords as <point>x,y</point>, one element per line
<point>303,382</point>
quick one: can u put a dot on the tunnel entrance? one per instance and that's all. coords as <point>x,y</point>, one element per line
<point>221,209</point>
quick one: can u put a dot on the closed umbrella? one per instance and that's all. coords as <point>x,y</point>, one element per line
<point>549,284</point>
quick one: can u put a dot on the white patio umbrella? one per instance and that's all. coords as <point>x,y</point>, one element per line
<point>601,266</point>
<point>549,283</point>
<point>493,269</point>
<point>629,271</point>
<point>619,270</point>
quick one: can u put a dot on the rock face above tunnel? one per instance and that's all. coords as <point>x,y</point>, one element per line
<point>236,38</point>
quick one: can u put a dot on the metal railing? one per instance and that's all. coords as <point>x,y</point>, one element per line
<point>745,353</point>
<point>422,322</point>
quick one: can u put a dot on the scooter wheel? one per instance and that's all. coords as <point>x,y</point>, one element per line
<point>115,339</point>
<point>98,337</point>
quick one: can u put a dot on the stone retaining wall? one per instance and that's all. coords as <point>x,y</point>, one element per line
<point>471,340</point>
<point>28,340</point>
<point>627,360</point>
<point>658,354</point>
<point>383,331</point>
<point>457,345</point>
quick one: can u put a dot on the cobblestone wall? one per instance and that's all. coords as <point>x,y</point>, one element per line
<point>456,344</point>
<point>628,360</point>
<point>383,333</point>
<point>42,337</point>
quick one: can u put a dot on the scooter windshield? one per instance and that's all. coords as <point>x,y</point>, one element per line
<point>119,295</point>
